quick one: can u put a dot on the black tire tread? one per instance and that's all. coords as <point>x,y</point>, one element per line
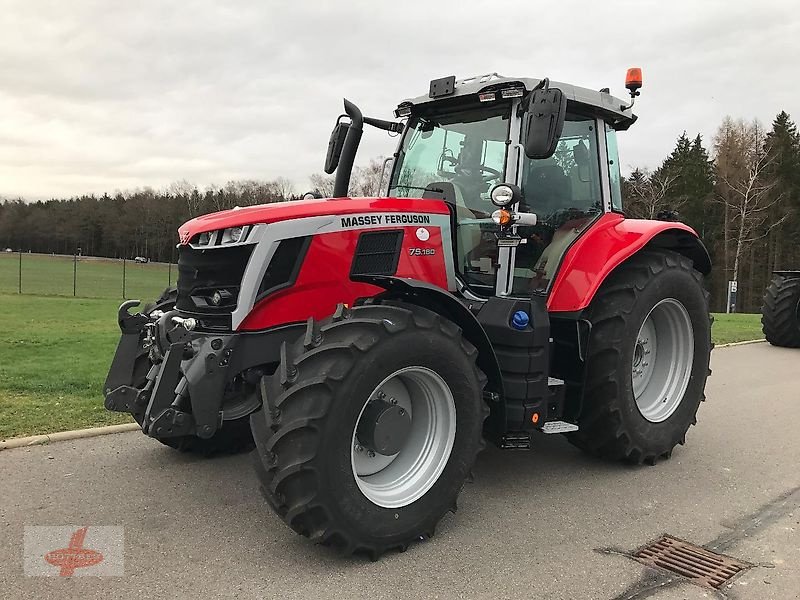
<point>304,391</point>
<point>780,321</point>
<point>602,431</point>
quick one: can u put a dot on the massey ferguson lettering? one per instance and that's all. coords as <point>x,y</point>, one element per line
<point>390,219</point>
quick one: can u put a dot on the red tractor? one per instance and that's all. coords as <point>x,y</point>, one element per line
<point>496,291</point>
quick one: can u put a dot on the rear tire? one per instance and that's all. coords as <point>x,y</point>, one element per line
<point>305,432</point>
<point>234,437</point>
<point>780,314</point>
<point>647,361</point>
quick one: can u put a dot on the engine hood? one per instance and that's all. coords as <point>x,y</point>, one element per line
<point>299,209</point>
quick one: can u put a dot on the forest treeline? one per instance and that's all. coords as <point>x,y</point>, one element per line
<point>741,194</point>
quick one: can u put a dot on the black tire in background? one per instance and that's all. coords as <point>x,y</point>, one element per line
<point>611,424</point>
<point>305,431</point>
<point>233,437</point>
<point>780,313</point>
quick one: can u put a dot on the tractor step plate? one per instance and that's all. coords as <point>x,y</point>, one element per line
<point>559,427</point>
<point>516,441</point>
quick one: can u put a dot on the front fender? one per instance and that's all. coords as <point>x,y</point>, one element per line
<point>608,243</point>
<point>446,304</point>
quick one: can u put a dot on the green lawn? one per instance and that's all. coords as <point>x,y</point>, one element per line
<point>55,352</point>
<point>93,277</point>
<point>736,328</point>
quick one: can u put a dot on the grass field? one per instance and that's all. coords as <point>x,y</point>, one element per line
<point>95,277</point>
<point>55,352</point>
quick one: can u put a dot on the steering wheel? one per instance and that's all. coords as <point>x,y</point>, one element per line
<point>492,173</point>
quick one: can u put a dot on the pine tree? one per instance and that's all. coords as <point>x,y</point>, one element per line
<point>783,145</point>
<point>692,169</point>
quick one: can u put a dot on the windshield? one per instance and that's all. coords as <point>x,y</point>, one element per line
<point>459,156</point>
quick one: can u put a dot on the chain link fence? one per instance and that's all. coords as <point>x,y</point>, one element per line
<point>83,276</point>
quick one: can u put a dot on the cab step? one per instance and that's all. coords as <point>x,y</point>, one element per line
<point>559,427</point>
<point>516,441</point>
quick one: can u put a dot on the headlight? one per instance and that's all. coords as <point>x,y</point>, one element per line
<point>232,235</point>
<point>505,194</point>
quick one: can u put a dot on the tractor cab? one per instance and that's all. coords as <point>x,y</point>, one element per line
<point>466,137</point>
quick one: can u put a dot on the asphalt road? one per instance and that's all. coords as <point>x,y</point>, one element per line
<point>550,523</point>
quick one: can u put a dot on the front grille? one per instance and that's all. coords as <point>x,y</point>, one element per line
<point>203,272</point>
<point>377,253</point>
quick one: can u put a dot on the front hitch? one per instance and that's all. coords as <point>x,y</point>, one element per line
<point>131,326</point>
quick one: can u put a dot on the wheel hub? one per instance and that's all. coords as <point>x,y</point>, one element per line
<point>403,437</point>
<point>662,360</point>
<point>384,427</point>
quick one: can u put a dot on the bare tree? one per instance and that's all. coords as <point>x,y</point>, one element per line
<point>744,186</point>
<point>322,184</point>
<point>366,181</point>
<point>648,193</point>
<point>284,189</point>
<point>187,192</point>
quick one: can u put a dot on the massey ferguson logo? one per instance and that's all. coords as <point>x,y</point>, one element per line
<point>184,236</point>
<point>390,219</point>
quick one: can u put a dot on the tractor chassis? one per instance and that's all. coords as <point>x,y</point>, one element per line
<point>185,366</point>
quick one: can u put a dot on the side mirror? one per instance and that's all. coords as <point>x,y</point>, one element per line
<point>335,145</point>
<point>544,120</point>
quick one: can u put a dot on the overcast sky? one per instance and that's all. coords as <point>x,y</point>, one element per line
<point>103,96</point>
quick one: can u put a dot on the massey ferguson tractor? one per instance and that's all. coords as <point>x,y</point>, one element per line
<point>780,313</point>
<point>368,346</point>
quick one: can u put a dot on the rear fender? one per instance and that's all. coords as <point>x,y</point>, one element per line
<point>446,304</point>
<point>611,241</point>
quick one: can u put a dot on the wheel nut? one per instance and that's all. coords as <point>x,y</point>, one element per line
<point>371,454</point>
<point>359,448</point>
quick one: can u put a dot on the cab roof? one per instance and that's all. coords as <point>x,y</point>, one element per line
<point>602,102</point>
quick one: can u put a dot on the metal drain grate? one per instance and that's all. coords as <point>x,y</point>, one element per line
<point>701,566</point>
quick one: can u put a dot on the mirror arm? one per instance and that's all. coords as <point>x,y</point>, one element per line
<point>389,126</point>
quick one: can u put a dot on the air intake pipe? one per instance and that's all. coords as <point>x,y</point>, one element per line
<point>349,149</point>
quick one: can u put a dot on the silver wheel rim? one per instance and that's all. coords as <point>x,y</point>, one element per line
<point>662,360</point>
<point>398,480</point>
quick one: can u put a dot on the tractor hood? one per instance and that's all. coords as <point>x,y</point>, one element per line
<point>300,209</point>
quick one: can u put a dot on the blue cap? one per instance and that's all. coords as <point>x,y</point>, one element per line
<point>520,320</point>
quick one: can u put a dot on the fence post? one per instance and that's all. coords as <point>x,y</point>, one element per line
<point>169,273</point>
<point>123,278</point>
<point>20,271</point>
<point>74,274</point>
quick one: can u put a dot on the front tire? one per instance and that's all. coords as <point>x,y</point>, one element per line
<point>647,360</point>
<point>314,439</point>
<point>780,314</point>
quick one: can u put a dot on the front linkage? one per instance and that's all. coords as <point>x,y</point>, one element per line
<point>186,369</point>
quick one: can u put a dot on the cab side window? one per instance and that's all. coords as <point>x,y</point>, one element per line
<point>613,168</point>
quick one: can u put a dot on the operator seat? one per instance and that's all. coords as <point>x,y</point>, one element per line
<point>547,189</point>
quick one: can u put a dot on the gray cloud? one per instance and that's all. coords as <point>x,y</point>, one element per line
<point>98,96</point>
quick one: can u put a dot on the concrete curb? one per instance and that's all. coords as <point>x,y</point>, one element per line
<point>739,343</point>
<point>62,436</point>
